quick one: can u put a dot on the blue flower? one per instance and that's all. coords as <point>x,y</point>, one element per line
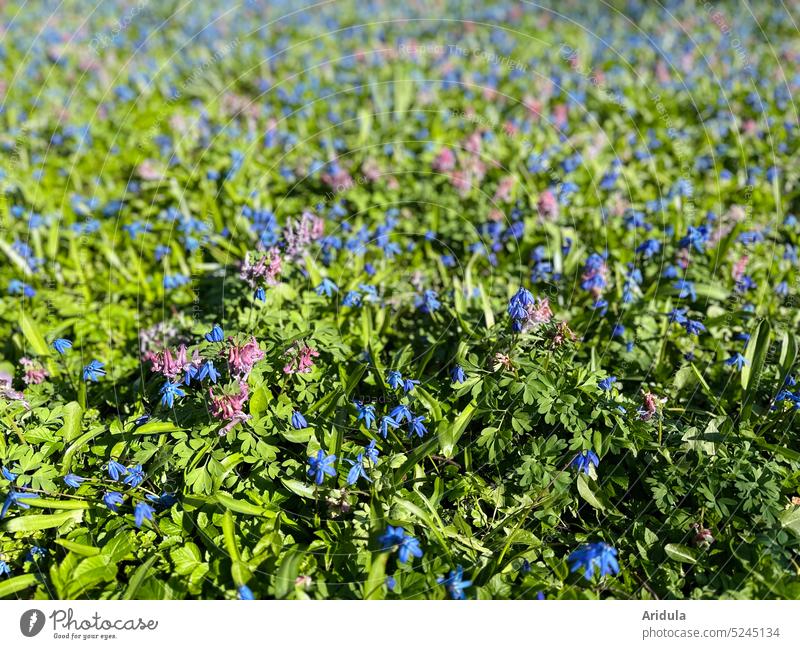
<point>457,374</point>
<point>371,452</point>
<point>406,544</point>
<point>163,502</point>
<point>35,553</point>
<point>15,498</point>
<point>216,334</point>
<point>260,294</point>
<point>365,412</point>
<point>169,391</point>
<point>416,426</point>
<point>142,512</point>
<point>455,583</point>
<point>693,327</point>
<point>245,593</point>
<point>391,582</point>
<point>738,360</point>
<point>5,569</point>
<point>135,476</point>
<point>408,384</point>
<point>584,461</point>
<point>72,480</point>
<point>115,469</point>
<point>61,345</point>
<point>352,299</point>
<point>207,369</point>
<point>321,465</point>
<point>326,288</point>
<point>394,379</point>
<point>356,470</point>
<point>401,413</point>
<point>298,421</point>
<point>8,475</point>
<point>112,500</point>
<point>607,382</point>
<point>428,302</point>
<point>685,289</point>
<point>93,370</point>
<point>592,556</point>
<point>386,423</point>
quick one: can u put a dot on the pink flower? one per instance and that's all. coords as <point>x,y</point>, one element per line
<point>7,392</point>
<point>739,268</point>
<point>444,161</point>
<point>165,363</point>
<point>299,234</point>
<point>650,406</point>
<point>242,359</point>
<point>34,372</point>
<point>264,271</point>
<point>504,188</point>
<point>302,359</point>
<point>547,205</point>
<point>228,407</point>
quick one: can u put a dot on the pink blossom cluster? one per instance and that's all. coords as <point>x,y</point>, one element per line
<point>34,372</point>
<point>242,359</point>
<point>300,233</point>
<point>301,359</point>
<point>228,407</point>
<point>264,271</point>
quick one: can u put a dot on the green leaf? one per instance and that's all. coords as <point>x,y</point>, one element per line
<point>790,520</point>
<point>238,506</point>
<point>287,573</point>
<point>450,435</point>
<point>681,553</point>
<point>756,354</point>
<point>16,584</point>
<point>32,334</point>
<point>37,522</point>
<point>73,414</point>
<point>89,573</point>
<point>587,492</point>
<point>78,548</point>
<point>373,586</point>
<point>139,577</point>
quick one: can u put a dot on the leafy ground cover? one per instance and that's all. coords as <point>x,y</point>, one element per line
<point>364,302</point>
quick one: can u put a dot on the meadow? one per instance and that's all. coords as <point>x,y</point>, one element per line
<point>421,300</point>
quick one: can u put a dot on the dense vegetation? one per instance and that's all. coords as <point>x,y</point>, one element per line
<point>329,304</point>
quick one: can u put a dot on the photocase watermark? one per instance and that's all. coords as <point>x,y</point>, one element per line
<point>66,626</point>
<point>102,40</point>
<point>718,18</point>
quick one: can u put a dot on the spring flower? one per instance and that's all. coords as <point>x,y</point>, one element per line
<point>585,461</point>
<point>167,363</point>
<point>457,374</point>
<point>112,500</point>
<point>326,288</point>
<point>386,423</point>
<point>35,553</point>
<point>5,569</point>
<point>650,406</point>
<point>242,359</point>
<point>207,370</point>
<point>591,557</point>
<point>61,345</point>
<point>428,302</point>
<point>371,452</point>
<point>15,498</point>
<point>365,412</point>
<point>93,370</point>
<point>693,327</point>
<point>298,421</point>
<point>416,426</point>
<point>394,379</point>
<point>245,593</point>
<point>356,470</point>
<point>738,360</point>
<point>216,334</point>
<point>320,466</point>
<point>72,480</point>
<point>685,289</point>
<point>135,476</point>
<point>142,512</point>
<point>455,583</point>
<point>8,475</point>
<point>168,393</point>
<point>408,385</point>
<point>607,382</point>
<point>115,469</point>
<point>301,359</point>
<point>407,546</point>
<point>262,273</point>
<point>228,407</point>
<point>401,413</point>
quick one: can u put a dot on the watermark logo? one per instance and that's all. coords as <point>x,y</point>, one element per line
<point>31,622</point>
